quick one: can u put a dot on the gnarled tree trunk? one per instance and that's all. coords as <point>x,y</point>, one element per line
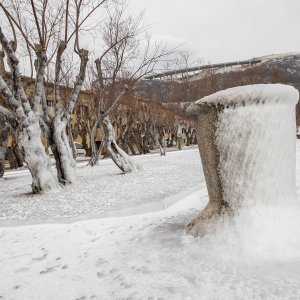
<point>120,158</point>
<point>36,159</point>
<point>62,152</point>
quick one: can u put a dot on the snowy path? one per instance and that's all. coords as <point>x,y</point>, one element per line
<point>149,256</point>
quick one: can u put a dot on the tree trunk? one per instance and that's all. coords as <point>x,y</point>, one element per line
<point>16,151</point>
<point>3,145</point>
<point>162,144</point>
<point>179,142</point>
<point>120,158</point>
<point>62,152</point>
<point>72,145</point>
<point>11,159</point>
<point>38,163</point>
<point>94,152</point>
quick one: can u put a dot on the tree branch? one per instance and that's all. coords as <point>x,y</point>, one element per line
<point>10,117</point>
<point>11,100</point>
<point>77,86</point>
<point>13,63</point>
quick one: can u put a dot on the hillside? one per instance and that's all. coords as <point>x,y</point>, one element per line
<point>279,68</point>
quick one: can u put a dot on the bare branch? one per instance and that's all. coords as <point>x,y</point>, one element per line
<point>39,81</point>
<point>17,25</point>
<point>7,94</point>
<point>61,48</point>
<point>85,18</point>
<point>118,100</point>
<point>13,63</point>
<point>37,23</point>
<point>66,21</point>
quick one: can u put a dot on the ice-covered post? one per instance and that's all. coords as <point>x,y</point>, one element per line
<point>246,137</point>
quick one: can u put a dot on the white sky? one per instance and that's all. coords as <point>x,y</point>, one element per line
<point>225,30</point>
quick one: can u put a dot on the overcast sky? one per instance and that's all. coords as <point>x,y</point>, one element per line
<point>225,30</point>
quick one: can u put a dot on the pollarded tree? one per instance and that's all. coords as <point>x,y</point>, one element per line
<point>23,113</point>
<point>46,29</point>
<point>129,55</point>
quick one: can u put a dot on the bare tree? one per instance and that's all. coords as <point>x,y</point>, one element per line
<point>46,29</point>
<point>27,119</point>
<point>130,54</point>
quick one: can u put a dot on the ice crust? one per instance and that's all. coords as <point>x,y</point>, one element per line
<point>257,154</point>
<point>253,94</point>
<point>255,138</point>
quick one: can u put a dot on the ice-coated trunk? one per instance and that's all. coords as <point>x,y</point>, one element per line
<point>62,152</point>
<point>162,145</point>
<point>246,138</point>
<point>159,138</point>
<point>120,158</point>
<point>37,161</point>
<point>94,159</point>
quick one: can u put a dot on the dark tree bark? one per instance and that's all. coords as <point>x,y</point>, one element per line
<point>4,133</point>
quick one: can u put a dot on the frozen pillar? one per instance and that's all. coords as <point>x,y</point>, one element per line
<point>246,137</point>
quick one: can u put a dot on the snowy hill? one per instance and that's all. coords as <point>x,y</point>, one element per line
<point>274,68</point>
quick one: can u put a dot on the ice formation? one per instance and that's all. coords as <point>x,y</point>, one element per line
<point>254,137</point>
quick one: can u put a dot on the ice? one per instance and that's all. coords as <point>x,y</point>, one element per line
<point>256,140</point>
<point>257,154</point>
<point>252,94</point>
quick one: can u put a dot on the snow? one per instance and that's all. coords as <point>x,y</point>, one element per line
<point>101,189</point>
<point>249,173</point>
<point>278,56</point>
<point>148,256</point>
<point>38,162</point>
<point>253,94</point>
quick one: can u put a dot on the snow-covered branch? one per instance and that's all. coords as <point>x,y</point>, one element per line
<point>10,117</point>
<point>39,82</point>
<point>13,63</point>
<point>7,94</point>
<point>77,86</point>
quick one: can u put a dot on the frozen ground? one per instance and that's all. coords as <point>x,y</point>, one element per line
<point>102,190</point>
<point>149,256</point>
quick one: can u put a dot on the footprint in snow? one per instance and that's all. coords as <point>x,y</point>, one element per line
<point>101,261</point>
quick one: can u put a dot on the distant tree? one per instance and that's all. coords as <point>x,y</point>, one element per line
<point>129,55</point>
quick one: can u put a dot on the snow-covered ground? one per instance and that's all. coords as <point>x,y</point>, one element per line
<point>103,190</point>
<point>141,256</point>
